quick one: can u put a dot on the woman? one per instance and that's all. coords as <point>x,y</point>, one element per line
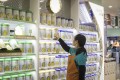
<point>79,52</point>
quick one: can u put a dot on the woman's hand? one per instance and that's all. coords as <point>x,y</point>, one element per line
<point>56,36</point>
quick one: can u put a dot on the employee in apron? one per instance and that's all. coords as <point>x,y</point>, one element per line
<point>77,64</point>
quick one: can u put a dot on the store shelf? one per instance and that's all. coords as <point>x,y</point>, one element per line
<point>16,22</point>
<point>91,72</point>
<point>52,69</point>
<point>56,27</point>
<point>18,37</point>
<point>88,32</point>
<point>54,41</point>
<point>23,55</point>
<point>53,54</point>
<point>92,62</point>
<point>15,72</point>
<point>45,71</point>
<point>88,24</point>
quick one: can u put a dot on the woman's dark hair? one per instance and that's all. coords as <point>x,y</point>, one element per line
<point>81,41</point>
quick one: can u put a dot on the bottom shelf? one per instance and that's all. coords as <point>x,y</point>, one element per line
<point>21,75</point>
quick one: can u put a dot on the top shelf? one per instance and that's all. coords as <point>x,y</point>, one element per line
<point>54,27</point>
<point>18,22</point>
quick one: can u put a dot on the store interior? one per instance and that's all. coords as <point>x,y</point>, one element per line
<point>29,51</point>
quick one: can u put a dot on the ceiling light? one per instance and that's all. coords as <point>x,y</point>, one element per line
<point>110,6</point>
<point>55,5</point>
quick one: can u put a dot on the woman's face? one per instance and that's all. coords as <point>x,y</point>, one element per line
<point>75,43</point>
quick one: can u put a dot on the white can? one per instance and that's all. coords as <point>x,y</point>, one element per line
<point>57,61</point>
<point>57,46</point>
<point>42,76</point>
<point>43,63</point>
<point>47,62</point>
<point>29,47</point>
<point>48,33</point>
<point>62,34</point>
<point>43,18</point>
<point>48,47</point>
<point>42,47</point>
<point>59,21</point>
<point>48,76</point>
<point>49,19</point>
<point>66,22</point>
<point>22,15</point>
<point>29,16</point>
<point>9,13</point>
<point>53,22</point>
<point>63,22</point>
<point>62,61</point>
<point>53,77</point>
<point>2,12</point>
<point>42,33</point>
<point>16,14</point>
<point>52,61</point>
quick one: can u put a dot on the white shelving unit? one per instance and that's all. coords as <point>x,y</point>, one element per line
<point>80,13</point>
<point>52,63</point>
<point>31,38</point>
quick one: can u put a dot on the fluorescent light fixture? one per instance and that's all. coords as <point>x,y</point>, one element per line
<point>110,6</point>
